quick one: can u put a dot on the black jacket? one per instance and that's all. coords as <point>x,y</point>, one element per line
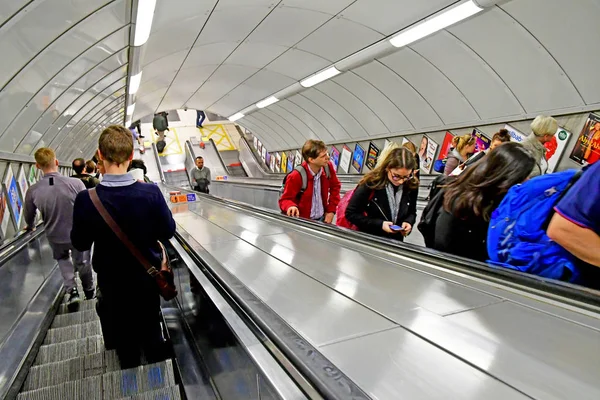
<point>377,210</point>
<point>465,238</point>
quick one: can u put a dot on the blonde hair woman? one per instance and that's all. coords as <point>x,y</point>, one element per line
<point>543,129</point>
<point>462,147</point>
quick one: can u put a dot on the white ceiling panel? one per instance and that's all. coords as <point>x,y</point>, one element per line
<point>293,120</point>
<point>208,54</point>
<point>170,40</point>
<point>528,69</point>
<point>231,24</point>
<point>264,138</point>
<point>185,85</point>
<point>273,136</point>
<point>171,62</point>
<point>287,26</point>
<point>353,104</point>
<point>267,82</point>
<point>307,117</point>
<point>285,136</point>
<point>298,136</point>
<point>390,16</point>
<point>298,64</point>
<point>569,33</point>
<point>330,6</point>
<point>255,55</point>
<point>327,126</point>
<point>219,84</point>
<point>168,13</point>
<point>475,79</point>
<point>385,109</point>
<point>407,99</point>
<point>9,7</point>
<point>339,113</point>
<point>339,38</point>
<point>224,4</point>
<point>434,86</point>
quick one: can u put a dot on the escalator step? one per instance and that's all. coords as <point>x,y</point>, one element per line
<point>83,306</point>
<point>133,381</point>
<point>85,389</point>
<point>73,332</point>
<point>76,318</point>
<point>70,349</point>
<point>71,370</point>
<point>168,393</point>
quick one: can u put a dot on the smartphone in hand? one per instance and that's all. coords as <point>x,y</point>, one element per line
<point>396,228</point>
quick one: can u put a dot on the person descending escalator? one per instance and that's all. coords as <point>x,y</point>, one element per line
<point>385,201</point>
<point>160,125</point>
<point>128,300</point>
<point>54,196</point>
<point>79,166</point>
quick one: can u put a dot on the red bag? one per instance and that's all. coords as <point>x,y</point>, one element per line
<point>340,212</point>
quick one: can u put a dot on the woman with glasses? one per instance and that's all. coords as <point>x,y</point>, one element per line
<point>385,201</point>
<point>462,223</point>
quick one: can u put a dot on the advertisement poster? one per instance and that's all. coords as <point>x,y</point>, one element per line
<point>259,146</point>
<point>515,135</point>
<point>263,152</point>
<point>272,162</point>
<point>4,217</point>
<point>446,145</point>
<point>587,148</point>
<point>345,159</point>
<point>358,158</point>
<point>13,198</point>
<point>23,184</point>
<point>277,162</point>
<point>556,148</point>
<point>255,141</point>
<point>268,160</point>
<point>290,162</point>
<point>298,158</point>
<point>372,156</point>
<point>483,142</point>
<point>427,150</point>
<point>335,157</point>
<point>32,178</point>
<point>283,162</point>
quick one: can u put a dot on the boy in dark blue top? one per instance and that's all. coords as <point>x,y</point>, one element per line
<point>576,223</point>
<point>128,299</point>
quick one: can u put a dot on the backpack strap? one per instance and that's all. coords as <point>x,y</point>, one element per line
<point>304,177</point>
<point>327,171</point>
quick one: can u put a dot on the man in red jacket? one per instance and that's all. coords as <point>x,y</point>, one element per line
<point>321,196</point>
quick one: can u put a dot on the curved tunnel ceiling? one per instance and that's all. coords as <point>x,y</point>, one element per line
<point>65,67</point>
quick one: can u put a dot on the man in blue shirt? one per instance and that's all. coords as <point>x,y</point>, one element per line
<point>128,299</point>
<point>576,223</point>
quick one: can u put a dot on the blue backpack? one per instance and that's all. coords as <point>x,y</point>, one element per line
<point>517,234</point>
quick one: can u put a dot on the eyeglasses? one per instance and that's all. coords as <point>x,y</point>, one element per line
<point>397,177</point>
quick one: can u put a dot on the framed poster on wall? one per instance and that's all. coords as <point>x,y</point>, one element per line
<point>427,151</point>
<point>272,162</point>
<point>345,159</point>
<point>372,156</point>
<point>263,153</point>
<point>587,148</point>
<point>13,197</point>
<point>283,162</point>
<point>556,148</point>
<point>32,175</point>
<point>358,158</point>
<point>22,181</point>
<point>446,145</point>
<point>483,142</point>
<point>335,157</point>
<point>298,158</point>
<point>290,162</point>
<point>277,162</point>
<point>255,142</point>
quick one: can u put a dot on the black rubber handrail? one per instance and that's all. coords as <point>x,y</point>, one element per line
<point>515,279</point>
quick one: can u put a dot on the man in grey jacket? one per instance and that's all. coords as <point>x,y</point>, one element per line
<point>200,176</point>
<point>54,195</point>
<point>543,129</point>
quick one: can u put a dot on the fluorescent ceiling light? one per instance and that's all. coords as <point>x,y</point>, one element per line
<point>437,23</point>
<point>143,21</point>
<point>134,83</point>
<point>235,117</point>
<point>267,102</point>
<point>320,77</point>
<point>130,109</point>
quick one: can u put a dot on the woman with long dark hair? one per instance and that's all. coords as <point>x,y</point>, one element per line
<point>387,197</point>
<point>462,224</point>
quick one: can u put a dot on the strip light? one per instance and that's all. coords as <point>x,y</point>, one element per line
<point>130,109</point>
<point>320,77</point>
<point>235,117</point>
<point>437,23</point>
<point>267,102</point>
<point>134,83</point>
<point>143,21</point>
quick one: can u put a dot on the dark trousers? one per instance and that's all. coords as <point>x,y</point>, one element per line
<point>131,324</point>
<point>200,116</point>
<point>202,189</point>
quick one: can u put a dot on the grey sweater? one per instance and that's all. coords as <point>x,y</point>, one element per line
<point>54,195</point>
<point>198,174</point>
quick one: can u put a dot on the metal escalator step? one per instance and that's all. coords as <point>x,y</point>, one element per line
<point>59,335</point>
<point>71,370</point>
<point>145,378</point>
<point>84,389</point>
<point>76,318</point>
<point>70,349</point>
<point>168,393</point>
<point>83,306</point>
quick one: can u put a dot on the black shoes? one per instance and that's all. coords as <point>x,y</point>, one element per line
<point>89,294</point>
<point>73,300</point>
